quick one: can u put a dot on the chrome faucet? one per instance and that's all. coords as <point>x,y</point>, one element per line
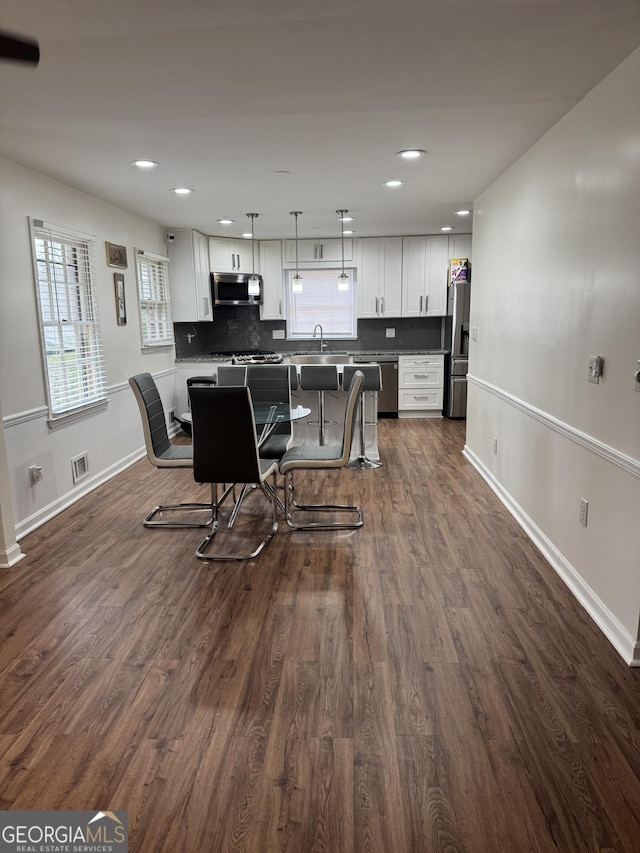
<point>322,343</point>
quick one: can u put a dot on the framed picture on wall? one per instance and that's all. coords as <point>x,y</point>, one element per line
<point>116,255</point>
<point>121,305</point>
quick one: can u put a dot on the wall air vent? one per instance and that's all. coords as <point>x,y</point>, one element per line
<point>80,467</point>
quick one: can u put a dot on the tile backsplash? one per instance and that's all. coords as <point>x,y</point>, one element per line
<point>241,328</point>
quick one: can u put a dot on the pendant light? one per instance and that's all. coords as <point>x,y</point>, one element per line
<point>254,280</point>
<point>296,281</point>
<point>343,278</point>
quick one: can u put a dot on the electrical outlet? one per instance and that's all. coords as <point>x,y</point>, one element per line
<point>278,334</point>
<point>595,368</point>
<point>474,333</point>
<point>391,333</point>
<point>584,511</point>
<point>495,445</point>
<point>35,473</point>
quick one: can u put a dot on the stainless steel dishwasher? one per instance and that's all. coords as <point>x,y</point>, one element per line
<point>388,396</point>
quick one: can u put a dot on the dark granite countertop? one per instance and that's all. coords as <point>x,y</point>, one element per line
<point>349,353</point>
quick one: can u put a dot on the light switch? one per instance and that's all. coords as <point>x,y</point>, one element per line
<point>391,333</point>
<point>474,333</point>
<point>595,368</point>
<point>278,334</point>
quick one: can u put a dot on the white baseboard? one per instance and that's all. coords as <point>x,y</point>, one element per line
<point>28,525</point>
<point>10,556</point>
<point>624,643</point>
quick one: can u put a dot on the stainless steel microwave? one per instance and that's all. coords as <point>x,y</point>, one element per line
<point>228,288</point>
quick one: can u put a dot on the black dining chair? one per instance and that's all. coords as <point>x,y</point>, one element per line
<point>321,457</point>
<point>272,383</point>
<point>225,450</point>
<point>162,453</point>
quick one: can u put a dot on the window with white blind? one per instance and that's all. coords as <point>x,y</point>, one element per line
<point>64,264</point>
<point>153,297</point>
<point>320,299</point>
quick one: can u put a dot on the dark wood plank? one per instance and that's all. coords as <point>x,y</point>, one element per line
<point>426,683</point>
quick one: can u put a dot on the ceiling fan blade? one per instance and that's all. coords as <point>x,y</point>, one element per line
<point>19,48</point>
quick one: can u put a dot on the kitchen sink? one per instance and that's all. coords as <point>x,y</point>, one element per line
<point>321,358</point>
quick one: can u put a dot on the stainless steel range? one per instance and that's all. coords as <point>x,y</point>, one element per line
<point>250,356</point>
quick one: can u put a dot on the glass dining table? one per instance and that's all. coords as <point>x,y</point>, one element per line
<point>268,415</point>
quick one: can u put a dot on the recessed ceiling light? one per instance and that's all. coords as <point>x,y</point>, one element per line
<point>463,212</point>
<point>346,218</point>
<point>393,183</point>
<point>446,228</point>
<point>247,235</point>
<point>182,190</point>
<point>411,153</point>
<point>347,233</point>
<point>225,221</point>
<point>145,164</point>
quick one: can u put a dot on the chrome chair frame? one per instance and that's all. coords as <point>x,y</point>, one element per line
<point>161,452</point>
<point>307,457</point>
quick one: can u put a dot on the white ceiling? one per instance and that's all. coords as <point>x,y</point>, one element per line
<point>270,106</point>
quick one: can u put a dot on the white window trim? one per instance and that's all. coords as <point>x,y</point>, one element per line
<point>61,409</point>
<point>327,333</point>
<point>152,344</point>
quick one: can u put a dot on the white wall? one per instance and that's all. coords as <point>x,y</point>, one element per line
<point>556,278</point>
<point>112,437</point>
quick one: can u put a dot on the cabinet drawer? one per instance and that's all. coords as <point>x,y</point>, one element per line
<point>420,398</point>
<point>421,361</point>
<point>420,377</point>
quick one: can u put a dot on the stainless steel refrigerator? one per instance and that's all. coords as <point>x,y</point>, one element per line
<point>457,338</point>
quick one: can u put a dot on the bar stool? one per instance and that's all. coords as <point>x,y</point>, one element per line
<point>372,382</point>
<point>231,375</point>
<point>320,378</point>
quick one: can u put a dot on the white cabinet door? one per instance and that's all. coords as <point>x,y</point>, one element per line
<point>460,246</point>
<point>414,266</point>
<point>189,276</point>
<point>229,255</point>
<point>425,266</point>
<point>273,304</point>
<point>437,274</point>
<point>379,277</point>
<point>391,276</point>
<point>310,251</point>
<point>369,277</point>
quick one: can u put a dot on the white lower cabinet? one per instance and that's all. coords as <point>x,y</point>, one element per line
<point>420,386</point>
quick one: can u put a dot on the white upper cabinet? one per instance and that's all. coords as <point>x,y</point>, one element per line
<point>273,297</point>
<point>425,268</point>
<point>460,246</point>
<point>229,255</point>
<point>189,276</point>
<point>310,251</point>
<point>379,277</point>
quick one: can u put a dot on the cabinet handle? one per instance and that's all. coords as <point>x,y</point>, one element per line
<point>421,375</point>
<point>421,396</point>
<point>377,311</point>
<point>382,304</point>
<point>426,303</point>
<point>315,252</point>
<point>280,307</point>
<point>238,262</point>
<point>321,251</point>
<point>420,309</point>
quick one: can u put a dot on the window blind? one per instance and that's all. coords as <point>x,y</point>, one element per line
<point>153,297</point>
<point>321,302</point>
<point>64,264</point>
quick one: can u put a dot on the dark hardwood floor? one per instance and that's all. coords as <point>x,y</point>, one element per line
<point>425,683</point>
